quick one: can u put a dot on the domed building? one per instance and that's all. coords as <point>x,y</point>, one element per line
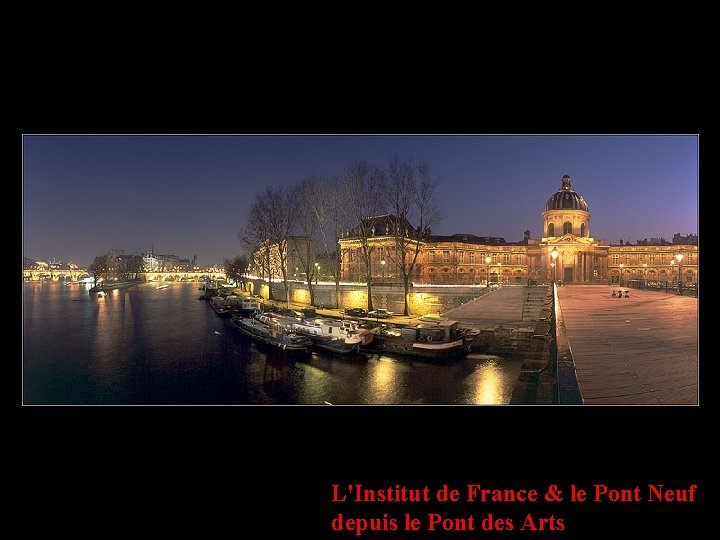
<point>565,252</point>
<point>572,253</point>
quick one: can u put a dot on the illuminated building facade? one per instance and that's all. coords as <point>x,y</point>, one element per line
<point>579,257</point>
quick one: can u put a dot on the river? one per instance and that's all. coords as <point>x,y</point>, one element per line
<point>144,346</point>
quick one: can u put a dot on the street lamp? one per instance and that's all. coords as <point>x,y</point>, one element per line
<point>645,275</point>
<point>621,268</point>
<point>317,271</point>
<point>487,262</point>
<point>382,263</point>
<point>679,258</point>
<point>554,254</point>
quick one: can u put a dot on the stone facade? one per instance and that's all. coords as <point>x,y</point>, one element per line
<point>469,259</point>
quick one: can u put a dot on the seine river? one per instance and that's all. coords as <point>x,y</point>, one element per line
<point>143,346</point>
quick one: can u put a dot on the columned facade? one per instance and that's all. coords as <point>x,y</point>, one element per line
<point>465,259</point>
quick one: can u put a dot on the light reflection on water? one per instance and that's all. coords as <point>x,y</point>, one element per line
<point>146,346</point>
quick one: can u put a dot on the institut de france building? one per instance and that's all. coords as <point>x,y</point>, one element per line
<point>566,252</point>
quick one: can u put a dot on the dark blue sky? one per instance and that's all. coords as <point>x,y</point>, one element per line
<point>187,195</point>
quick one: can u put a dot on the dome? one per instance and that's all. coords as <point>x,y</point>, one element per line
<point>565,198</point>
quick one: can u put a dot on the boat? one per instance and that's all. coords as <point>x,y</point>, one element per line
<point>162,286</point>
<point>334,335</point>
<point>440,339</point>
<point>270,329</point>
<point>246,306</point>
<point>220,305</point>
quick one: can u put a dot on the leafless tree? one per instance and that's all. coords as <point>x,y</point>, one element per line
<point>360,191</point>
<point>411,201</point>
<point>273,212</point>
<point>307,195</point>
<point>255,239</point>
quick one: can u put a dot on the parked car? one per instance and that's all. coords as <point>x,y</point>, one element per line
<point>356,312</point>
<point>380,314</point>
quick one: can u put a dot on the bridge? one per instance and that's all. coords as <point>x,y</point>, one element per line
<point>183,276</point>
<point>70,274</point>
<point>80,273</point>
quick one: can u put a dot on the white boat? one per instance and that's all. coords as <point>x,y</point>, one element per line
<point>334,335</point>
<point>270,329</point>
<point>244,305</point>
<point>165,286</point>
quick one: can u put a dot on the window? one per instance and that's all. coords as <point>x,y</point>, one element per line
<point>446,256</point>
<point>518,258</point>
<point>627,259</point>
<point>551,229</point>
<point>461,256</point>
<point>615,259</point>
<point>652,258</point>
<point>472,258</point>
<point>567,228</point>
<point>582,230</point>
<point>506,258</point>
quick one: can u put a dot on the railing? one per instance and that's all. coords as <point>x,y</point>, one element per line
<point>548,374</point>
<point>668,286</point>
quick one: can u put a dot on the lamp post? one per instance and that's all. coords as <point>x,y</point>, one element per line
<point>554,255</point>
<point>382,263</point>
<point>672,273</point>
<point>317,271</point>
<point>679,258</point>
<point>499,273</point>
<point>487,262</point>
<point>621,270</point>
<point>645,275</point>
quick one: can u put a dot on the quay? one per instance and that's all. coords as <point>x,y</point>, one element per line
<point>582,345</point>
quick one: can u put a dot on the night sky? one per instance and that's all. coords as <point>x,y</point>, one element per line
<point>189,195</point>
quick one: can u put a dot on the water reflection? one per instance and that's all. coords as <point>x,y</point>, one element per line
<point>490,380</point>
<point>147,346</point>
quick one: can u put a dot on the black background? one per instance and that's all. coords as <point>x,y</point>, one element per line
<point>267,471</point>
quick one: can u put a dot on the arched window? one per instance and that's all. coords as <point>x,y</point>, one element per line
<point>567,228</point>
<point>582,230</point>
<point>551,229</point>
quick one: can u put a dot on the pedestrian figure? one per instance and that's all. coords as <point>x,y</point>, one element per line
<point>614,295</point>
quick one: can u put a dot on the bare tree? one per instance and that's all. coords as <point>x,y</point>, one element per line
<point>270,223</point>
<point>361,189</point>
<point>321,220</point>
<point>99,268</point>
<point>236,268</point>
<point>411,201</point>
<point>255,239</point>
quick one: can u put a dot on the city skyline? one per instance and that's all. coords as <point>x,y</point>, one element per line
<point>189,194</point>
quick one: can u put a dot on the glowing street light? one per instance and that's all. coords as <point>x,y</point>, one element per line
<point>554,255</point>
<point>317,271</point>
<point>679,258</point>
<point>487,262</point>
<point>621,270</point>
<point>645,275</point>
<point>382,263</point>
